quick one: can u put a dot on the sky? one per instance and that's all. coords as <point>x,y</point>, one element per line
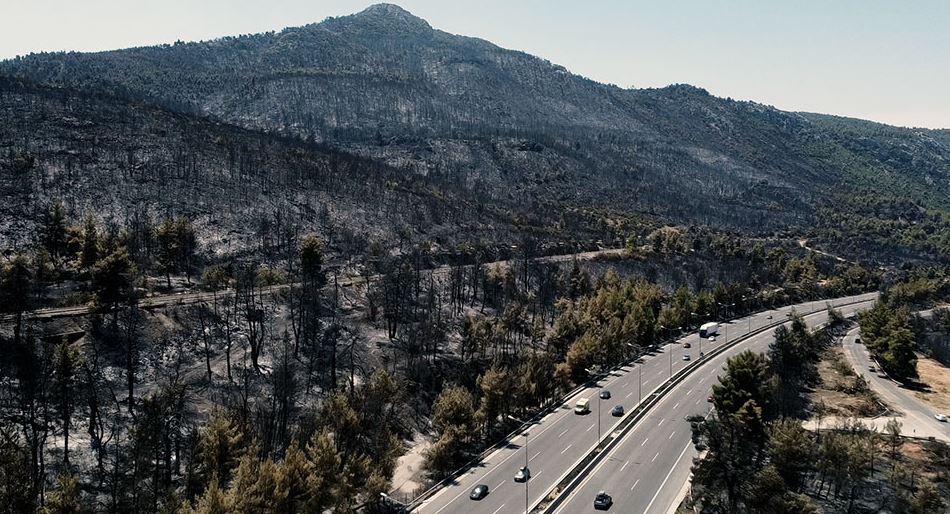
<point>883,60</point>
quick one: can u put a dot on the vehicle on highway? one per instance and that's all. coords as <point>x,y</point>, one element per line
<point>687,345</point>
<point>857,340</point>
<point>582,406</point>
<point>686,357</point>
<point>617,411</point>
<point>605,394</point>
<point>523,474</point>
<point>709,329</point>
<point>709,398</point>
<point>603,501</point>
<point>940,417</point>
<point>480,491</point>
<point>872,369</point>
<point>769,317</point>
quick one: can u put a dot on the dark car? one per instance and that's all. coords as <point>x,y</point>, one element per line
<point>480,491</point>
<point>603,501</point>
<point>687,345</point>
<point>605,395</point>
<point>617,411</point>
<point>523,474</point>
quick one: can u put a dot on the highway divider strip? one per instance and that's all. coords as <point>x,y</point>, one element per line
<point>572,477</point>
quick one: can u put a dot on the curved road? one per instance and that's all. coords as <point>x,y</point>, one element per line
<point>917,418</point>
<point>560,439</point>
<point>647,471</point>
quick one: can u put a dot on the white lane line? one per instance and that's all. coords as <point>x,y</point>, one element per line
<point>645,439</point>
<point>535,455</point>
<point>627,384</point>
<point>496,487</point>
<point>665,480</point>
<point>689,392</point>
<point>655,456</point>
<point>628,395</point>
<point>498,509</point>
<point>562,433</point>
<point>635,484</point>
<point>624,465</point>
<point>661,422</point>
<point>697,401</point>
<point>703,380</point>
<point>677,405</point>
<point>672,434</point>
<point>566,448</point>
<point>592,425</point>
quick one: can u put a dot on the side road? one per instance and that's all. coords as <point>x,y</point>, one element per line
<point>917,418</point>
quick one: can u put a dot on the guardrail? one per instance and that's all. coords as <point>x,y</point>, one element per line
<point>571,479</point>
<point>678,376</point>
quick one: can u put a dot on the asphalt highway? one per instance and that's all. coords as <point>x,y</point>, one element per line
<point>647,470</point>
<point>562,438</point>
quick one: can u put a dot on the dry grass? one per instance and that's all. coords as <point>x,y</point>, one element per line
<point>841,391</point>
<point>937,377</point>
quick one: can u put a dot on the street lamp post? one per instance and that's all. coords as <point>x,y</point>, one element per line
<point>527,478</point>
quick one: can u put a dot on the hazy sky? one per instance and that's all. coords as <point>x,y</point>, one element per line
<point>885,60</point>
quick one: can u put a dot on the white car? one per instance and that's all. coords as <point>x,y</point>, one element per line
<point>940,417</point>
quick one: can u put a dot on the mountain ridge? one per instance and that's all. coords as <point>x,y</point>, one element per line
<point>385,85</point>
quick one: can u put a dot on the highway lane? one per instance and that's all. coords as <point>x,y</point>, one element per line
<point>560,439</point>
<point>647,470</point>
<point>917,417</point>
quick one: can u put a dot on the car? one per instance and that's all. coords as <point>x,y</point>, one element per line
<point>605,395</point>
<point>872,369</point>
<point>617,411</point>
<point>940,417</point>
<point>709,399</point>
<point>603,501</point>
<point>769,317</point>
<point>686,357</point>
<point>857,340</point>
<point>687,345</point>
<point>523,474</point>
<point>480,491</point>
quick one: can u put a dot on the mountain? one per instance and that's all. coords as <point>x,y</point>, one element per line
<point>514,129</point>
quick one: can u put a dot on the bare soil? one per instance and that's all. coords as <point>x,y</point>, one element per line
<point>936,377</point>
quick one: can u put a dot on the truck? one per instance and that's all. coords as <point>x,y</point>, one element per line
<point>709,329</point>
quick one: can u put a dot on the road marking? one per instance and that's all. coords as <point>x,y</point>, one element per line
<point>624,465</point>
<point>498,509</point>
<point>497,486</point>
<point>592,425</point>
<point>689,392</point>
<point>677,405</point>
<point>655,456</point>
<point>703,380</point>
<point>672,434</point>
<point>628,395</point>
<point>627,384</point>
<point>568,447</point>
<point>535,455</point>
<point>699,400</point>
<point>644,441</point>
<point>562,433</point>
<point>665,480</point>
<point>635,484</point>
<point>661,422</point>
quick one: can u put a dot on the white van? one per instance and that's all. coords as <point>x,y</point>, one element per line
<point>582,406</point>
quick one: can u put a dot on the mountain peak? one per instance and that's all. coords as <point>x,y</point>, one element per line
<point>391,14</point>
